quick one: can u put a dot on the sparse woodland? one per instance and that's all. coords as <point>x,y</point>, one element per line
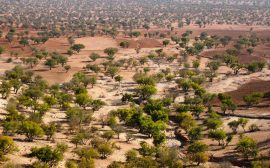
<point>139,84</point>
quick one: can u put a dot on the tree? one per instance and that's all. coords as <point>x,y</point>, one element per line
<point>252,99</point>
<point>196,64</point>
<point>87,153</point>
<point>5,89</point>
<point>218,135</point>
<point>112,71</point>
<point>108,135</point>
<point>250,51</point>
<point>234,126</point>
<point>195,133</point>
<point>83,100</point>
<point>131,155</point>
<point>165,42</point>
<point>51,63</point>
<point>49,130</point>
<point>247,147</point>
<point>105,150</point>
<point>49,155</point>
<point>93,67</point>
<point>31,130</point>
<point>24,42</point>
<point>10,36</point>
<point>124,44</point>
<point>94,56</point>
<point>196,152</point>
<point>2,50</point>
<point>243,122</point>
<point>186,121</point>
<point>110,51</point>
<point>97,104</point>
<point>6,146</point>
<point>146,91</point>
<point>77,47</point>
<point>76,117</point>
<point>67,68</point>
<point>62,60</point>
<point>93,80</point>
<point>213,123</point>
<point>169,157</point>
<point>32,61</point>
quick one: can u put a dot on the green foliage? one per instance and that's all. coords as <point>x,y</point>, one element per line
<point>112,71</point>
<point>218,135</point>
<point>252,99</point>
<point>197,152</point>
<point>110,51</point>
<point>247,147</point>
<point>48,155</point>
<point>77,47</point>
<point>94,56</point>
<point>87,153</point>
<point>145,91</point>
<point>31,130</point>
<point>6,146</point>
<point>186,121</point>
<point>195,133</point>
<point>105,150</point>
<point>124,44</point>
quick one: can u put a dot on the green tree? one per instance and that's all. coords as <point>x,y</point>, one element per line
<point>243,122</point>
<point>218,135</point>
<point>197,152</point>
<point>83,100</point>
<point>112,71</point>
<point>77,47</point>
<point>24,42</point>
<point>186,121</point>
<point>50,63</point>
<point>49,155</point>
<point>67,68</point>
<point>124,44</point>
<point>165,42</point>
<point>2,50</point>
<point>146,91</point>
<point>94,56</point>
<point>234,126</point>
<point>110,51</point>
<point>247,147</point>
<point>195,133</point>
<point>252,99</point>
<point>105,150</point>
<point>108,135</point>
<point>31,130</point>
<point>6,146</point>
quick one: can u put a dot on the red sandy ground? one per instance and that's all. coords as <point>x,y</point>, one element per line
<point>143,43</point>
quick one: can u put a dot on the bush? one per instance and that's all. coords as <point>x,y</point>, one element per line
<point>6,146</point>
